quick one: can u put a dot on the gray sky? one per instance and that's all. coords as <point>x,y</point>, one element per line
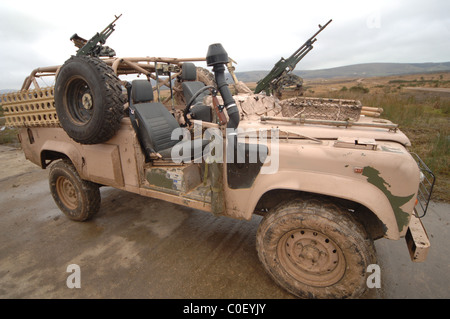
<point>255,33</point>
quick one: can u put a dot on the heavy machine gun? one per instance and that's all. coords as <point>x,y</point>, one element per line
<point>281,74</point>
<point>95,46</point>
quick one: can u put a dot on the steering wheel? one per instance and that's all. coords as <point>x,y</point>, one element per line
<point>188,105</point>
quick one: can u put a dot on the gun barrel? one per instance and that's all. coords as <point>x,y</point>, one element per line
<point>111,25</point>
<point>312,39</point>
<point>300,56</point>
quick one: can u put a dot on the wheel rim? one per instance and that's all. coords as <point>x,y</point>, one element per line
<point>67,192</point>
<point>311,257</point>
<point>79,101</point>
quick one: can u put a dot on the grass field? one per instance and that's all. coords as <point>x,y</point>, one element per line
<point>7,135</point>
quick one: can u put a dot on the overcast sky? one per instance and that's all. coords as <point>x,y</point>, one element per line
<point>254,33</point>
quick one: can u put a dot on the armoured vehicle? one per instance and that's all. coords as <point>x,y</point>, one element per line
<point>327,179</point>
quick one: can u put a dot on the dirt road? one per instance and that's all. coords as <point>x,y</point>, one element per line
<point>139,247</point>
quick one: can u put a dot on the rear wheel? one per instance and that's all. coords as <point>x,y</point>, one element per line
<point>315,249</point>
<point>78,199</point>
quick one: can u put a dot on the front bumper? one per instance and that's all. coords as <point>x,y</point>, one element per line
<point>417,239</point>
<point>416,235</point>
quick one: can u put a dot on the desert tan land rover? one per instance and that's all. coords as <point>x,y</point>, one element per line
<point>327,179</point>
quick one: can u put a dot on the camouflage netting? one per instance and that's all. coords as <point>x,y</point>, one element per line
<point>321,109</point>
<point>253,106</point>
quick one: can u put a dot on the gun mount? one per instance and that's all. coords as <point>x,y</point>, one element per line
<point>95,46</point>
<point>281,74</point>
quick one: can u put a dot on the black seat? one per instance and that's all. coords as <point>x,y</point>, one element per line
<point>191,86</point>
<point>154,124</point>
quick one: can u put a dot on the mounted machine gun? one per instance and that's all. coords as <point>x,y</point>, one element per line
<point>281,74</point>
<point>92,47</point>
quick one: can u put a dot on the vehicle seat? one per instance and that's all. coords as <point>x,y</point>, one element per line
<point>191,86</point>
<point>154,124</point>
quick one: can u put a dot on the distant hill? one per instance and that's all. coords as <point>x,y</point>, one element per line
<point>357,70</point>
<point>349,71</point>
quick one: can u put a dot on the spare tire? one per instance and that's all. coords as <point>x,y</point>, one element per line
<point>88,100</point>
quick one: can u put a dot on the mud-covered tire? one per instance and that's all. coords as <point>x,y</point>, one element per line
<point>78,199</point>
<point>315,249</point>
<point>88,100</point>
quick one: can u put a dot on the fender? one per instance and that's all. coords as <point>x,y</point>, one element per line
<point>36,142</point>
<point>99,163</point>
<point>361,192</point>
<point>385,182</point>
<point>66,148</point>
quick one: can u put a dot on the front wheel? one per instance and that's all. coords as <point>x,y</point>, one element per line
<point>315,249</point>
<point>78,199</point>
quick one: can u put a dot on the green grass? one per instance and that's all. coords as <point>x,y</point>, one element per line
<point>421,83</point>
<point>8,135</point>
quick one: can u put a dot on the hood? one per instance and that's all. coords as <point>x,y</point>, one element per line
<point>328,132</point>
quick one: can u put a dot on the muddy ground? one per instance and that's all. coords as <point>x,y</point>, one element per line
<point>139,247</point>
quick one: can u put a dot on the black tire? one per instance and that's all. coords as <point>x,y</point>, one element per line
<point>88,100</point>
<point>78,199</point>
<point>315,249</point>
